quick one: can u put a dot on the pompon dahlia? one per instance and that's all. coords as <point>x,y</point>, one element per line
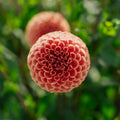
<point>59,61</point>
<point>43,23</point>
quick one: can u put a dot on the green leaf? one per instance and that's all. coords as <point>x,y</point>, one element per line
<point>21,2</point>
<point>117,118</point>
<point>9,86</point>
<point>32,2</point>
<point>111,93</point>
<point>30,103</point>
<point>105,15</point>
<point>107,28</point>
<point>77,11</point>
<point>41,109</point>
<point>1,48</point>
<point>108,110</point>
<point>116,43</point>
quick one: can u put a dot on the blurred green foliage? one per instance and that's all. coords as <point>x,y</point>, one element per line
<point>97,23</point>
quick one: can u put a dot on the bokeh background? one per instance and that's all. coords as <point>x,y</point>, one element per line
<point>97,23</point>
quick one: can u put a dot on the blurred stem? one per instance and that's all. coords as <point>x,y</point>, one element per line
<point>2,11</point>
<point>98,20</point>
<point>117,96</point>
<point>26,110</point>
<point>76,100</point>
<point>17,6</point>
<point>94,42</point>
<point>4,64</point>
<point>73,23</point>
<point>59,6</point>
<point>22,55</point>
<point>71,3</point>
<point>4,75</point>
<point>24,77</point>
<point>19,97</point>
<point>60,105</point>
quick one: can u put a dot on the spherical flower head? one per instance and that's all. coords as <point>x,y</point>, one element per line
<point>43,23</point>
<point>58,61</point>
